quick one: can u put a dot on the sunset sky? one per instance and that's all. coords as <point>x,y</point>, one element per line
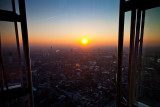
<point>66,22</point>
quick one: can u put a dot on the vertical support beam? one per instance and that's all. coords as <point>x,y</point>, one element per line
<point>26,50</point>
<point>3,73</point>
<point>137,35</point>
<point>18,46</point>
<point>136,54</point>
<point>140,54</point>
<point>16,28</point>
<point>120,50</point>
<point>131,53</point>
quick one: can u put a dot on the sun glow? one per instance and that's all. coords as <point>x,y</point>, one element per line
<point>84,41</point>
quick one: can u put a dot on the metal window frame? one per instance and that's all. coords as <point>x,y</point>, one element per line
<point>137,7</point>
<point>11,16</point>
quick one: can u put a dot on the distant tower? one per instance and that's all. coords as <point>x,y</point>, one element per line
<point>51,53</point>
<point>10,58</point>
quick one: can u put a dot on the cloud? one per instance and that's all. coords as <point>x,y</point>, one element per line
<point>46,19</point>
<point>50,18</point>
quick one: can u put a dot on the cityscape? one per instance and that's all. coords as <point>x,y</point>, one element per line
<point>78,77</point>
<point>79,53</point>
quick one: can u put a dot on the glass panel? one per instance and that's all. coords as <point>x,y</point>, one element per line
<point>11,61</point>
<point>6,5</point>
<point>150,75</point>
<point>124,88</point>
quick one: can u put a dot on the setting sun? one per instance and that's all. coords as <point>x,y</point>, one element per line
<point>84,41</point>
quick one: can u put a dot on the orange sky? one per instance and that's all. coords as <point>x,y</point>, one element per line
<point>98,23</point>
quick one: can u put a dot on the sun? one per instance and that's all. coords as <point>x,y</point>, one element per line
<point>84,41</point>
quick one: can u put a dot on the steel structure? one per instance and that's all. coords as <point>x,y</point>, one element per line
<point>137,8</point>
<point>7,94</point>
